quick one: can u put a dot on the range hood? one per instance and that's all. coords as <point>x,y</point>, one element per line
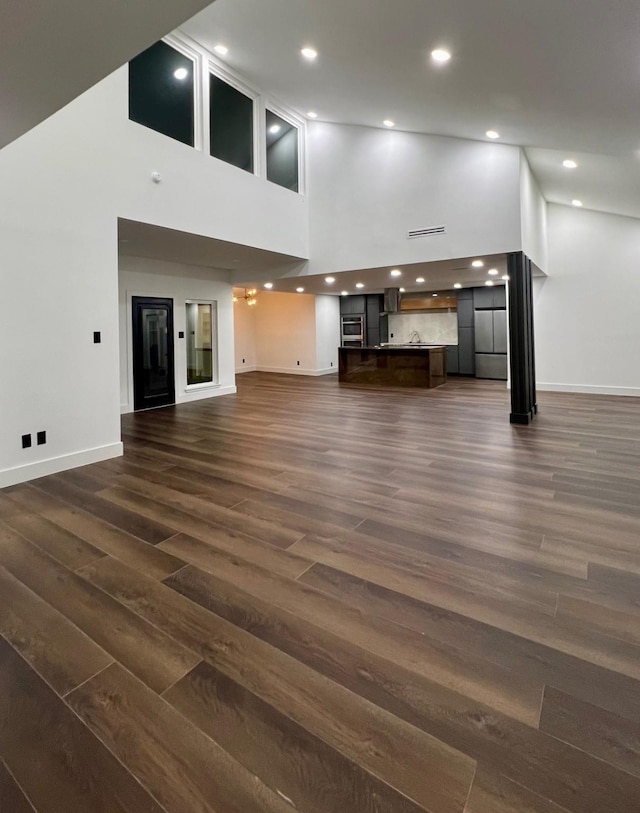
<point>391,300</point>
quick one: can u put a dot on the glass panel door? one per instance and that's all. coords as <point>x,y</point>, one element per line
<point>199,343</point>
<point>153,365</point>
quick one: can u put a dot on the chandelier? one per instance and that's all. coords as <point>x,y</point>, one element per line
<point>249,296</point>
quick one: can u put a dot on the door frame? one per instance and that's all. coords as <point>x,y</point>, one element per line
<point>138,393</point>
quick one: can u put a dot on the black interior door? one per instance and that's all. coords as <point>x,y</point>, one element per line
<point>153,364</point>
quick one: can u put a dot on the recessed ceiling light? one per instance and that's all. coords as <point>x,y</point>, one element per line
<point>457,285</point>
<point>493,134</point>
<point>275,128</point>
<point>401,290</point>
<point>329,280</point>
<point>359,284</point>
<point>181,73</point>
<point>569,164</point>
<point>344,293</point>
<point>299,290</point>
<point>396,272</point>
<point>577,203</point>
<point>434,294</point>
<point>268,285</point>
<point>389,123</point>
<point>312,114</point>
<point>489,282</point>
<point>419,279</point>
<point>309,53</point>
<point>440,55</point>
<point>493,272</point>
<point>477,264</point>
<point>221,49</point>
<point>505,277</point>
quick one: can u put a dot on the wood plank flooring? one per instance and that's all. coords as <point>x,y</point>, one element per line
<point>330,599</point>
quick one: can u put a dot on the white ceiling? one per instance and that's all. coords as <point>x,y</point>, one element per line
<point>251,267</point>
<point>438,276</point>
<point>559,76</point>
<point>145,240</point>
<point>51,52</point>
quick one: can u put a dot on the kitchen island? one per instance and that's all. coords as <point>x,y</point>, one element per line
<point>404,365</point>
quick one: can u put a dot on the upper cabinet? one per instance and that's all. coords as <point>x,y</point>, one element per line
<point>429,301</point>
<point>490,298</point>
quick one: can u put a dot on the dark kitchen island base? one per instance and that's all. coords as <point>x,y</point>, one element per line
<point>393,366</point>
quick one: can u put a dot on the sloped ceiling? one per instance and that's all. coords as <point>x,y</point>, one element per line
<point>558,77</point>
<point>53,50</point>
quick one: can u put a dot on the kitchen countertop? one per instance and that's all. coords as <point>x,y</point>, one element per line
<point>398,347</point>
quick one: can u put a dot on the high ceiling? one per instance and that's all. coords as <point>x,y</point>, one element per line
<point>561,77</point>
<point>51,52</point>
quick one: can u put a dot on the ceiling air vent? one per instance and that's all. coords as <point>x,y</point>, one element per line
<point>426,232</point>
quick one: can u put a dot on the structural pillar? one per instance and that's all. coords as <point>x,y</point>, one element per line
<point>521,342</point>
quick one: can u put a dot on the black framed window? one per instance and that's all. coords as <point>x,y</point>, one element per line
<point>282,151</point>
<point>161,92</point>
<point>231,120</point>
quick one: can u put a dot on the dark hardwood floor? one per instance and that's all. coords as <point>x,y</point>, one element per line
<point>329,599</point>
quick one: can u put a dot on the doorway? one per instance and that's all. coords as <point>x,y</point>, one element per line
<point>153,362</point>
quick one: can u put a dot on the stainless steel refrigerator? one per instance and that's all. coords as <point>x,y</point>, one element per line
<point>491,344</point>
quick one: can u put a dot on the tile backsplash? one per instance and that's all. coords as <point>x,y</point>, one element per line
<point>433,328</point>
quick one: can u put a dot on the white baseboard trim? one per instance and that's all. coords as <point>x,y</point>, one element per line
<point>199,395</point>
<point>187,397</point>
<point>245,369</point>
<point>589,389</point>
<point>30,471</point>
<point>296,370</point>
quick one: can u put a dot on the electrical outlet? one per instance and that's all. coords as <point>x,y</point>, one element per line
<point>298,363</point>
<point>41,438</point>
<point>26,441</point>
<point>243,361</point>
<point>97,338</point>
<point>332,364</point>
<point>391,335</point>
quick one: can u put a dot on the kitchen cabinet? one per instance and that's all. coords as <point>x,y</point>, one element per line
<point>370,306</point>
<point>466,348</point>
<point>466,351</point>
<point>374,305</point>
<point>465,312</point>
<point>428,302</point>
<point>452,359</point>
<point>489,298</point>
<point>352,305</point>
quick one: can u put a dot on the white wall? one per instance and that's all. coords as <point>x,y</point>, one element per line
<point>244,326</point>
<point>284,329</point>
<point>433,328</point>
<point>368,187</point>
<point>327,333</point>
<point>586,311</point>
<point>64,185</point>
<point>533,217</point>
<point>143,277</point>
